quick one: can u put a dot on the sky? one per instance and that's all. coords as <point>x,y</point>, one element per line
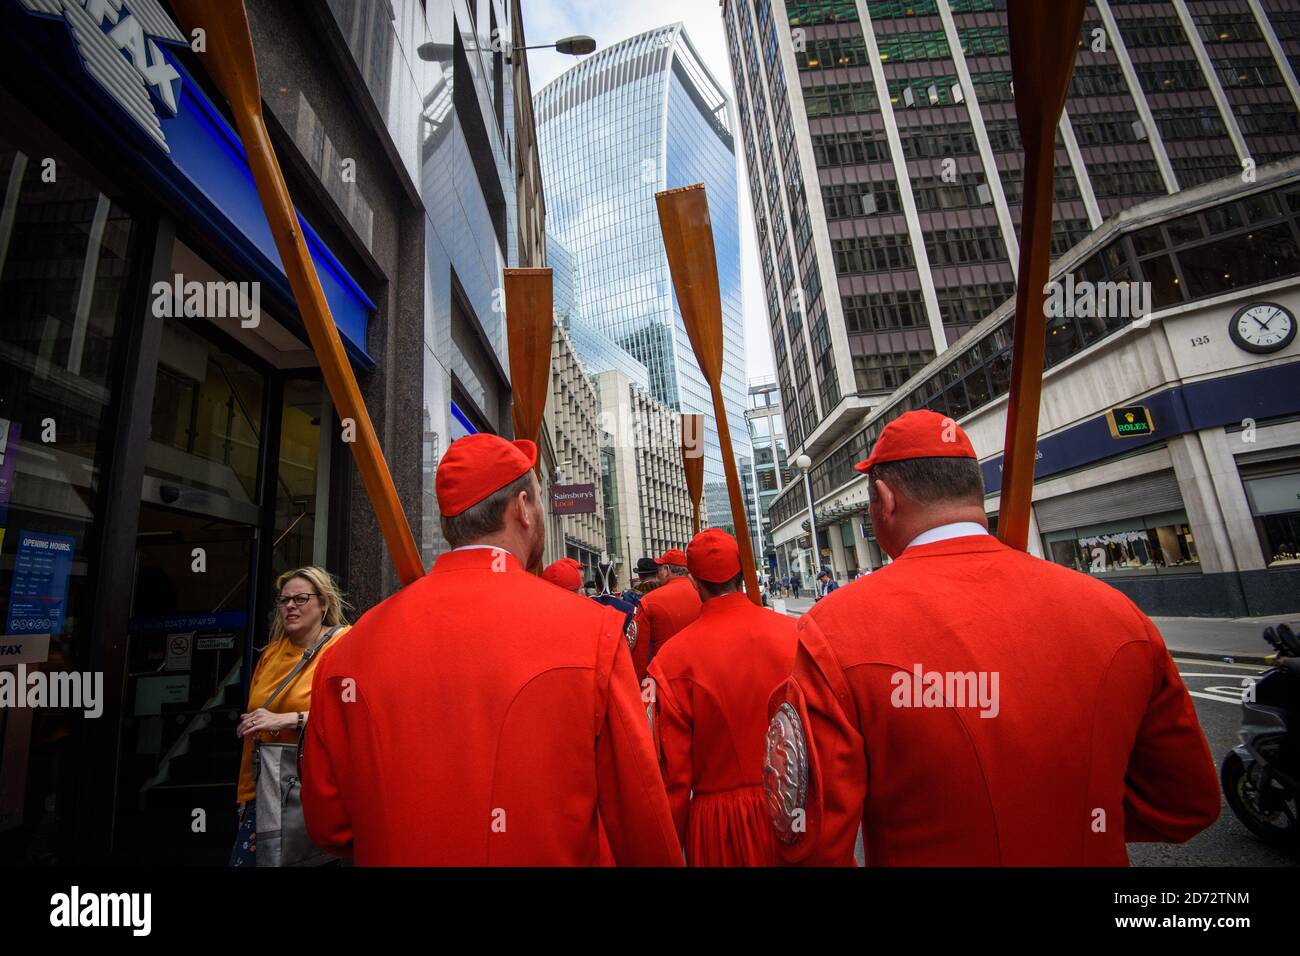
<point>546,21</point>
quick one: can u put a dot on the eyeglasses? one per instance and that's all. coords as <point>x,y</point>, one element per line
<point>297,600</point>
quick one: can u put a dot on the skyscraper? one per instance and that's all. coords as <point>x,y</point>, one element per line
<point>885,168</point>
<point>638,117</point>
<point>884,163</point>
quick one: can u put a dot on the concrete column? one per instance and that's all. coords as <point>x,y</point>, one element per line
<point>861,546</point>
<point>1217,508</point>
<point>839,562</point>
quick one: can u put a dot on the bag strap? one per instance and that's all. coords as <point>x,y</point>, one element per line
<point>307,655</point>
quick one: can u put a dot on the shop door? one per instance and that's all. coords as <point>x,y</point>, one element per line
<point>192,607</point>
<point>179,753</point>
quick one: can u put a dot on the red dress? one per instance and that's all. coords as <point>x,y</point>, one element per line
<point>1087,740</point>
<point>482,716</point>
<point>712,684</point>
<point>661,614</point>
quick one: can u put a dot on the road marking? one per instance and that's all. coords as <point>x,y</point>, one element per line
<point>1204,663</point>
<point>1222,700</point>
<point>1243,676</point>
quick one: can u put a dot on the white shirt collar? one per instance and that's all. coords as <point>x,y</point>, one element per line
<point>483,547</point>
<point>958,529</point>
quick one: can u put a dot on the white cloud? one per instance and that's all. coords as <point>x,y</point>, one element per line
<point>546,21</point>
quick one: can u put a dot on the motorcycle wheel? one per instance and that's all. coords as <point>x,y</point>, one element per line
<point>1242,793</point>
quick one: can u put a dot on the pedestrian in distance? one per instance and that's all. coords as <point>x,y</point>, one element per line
<point>666,610</point>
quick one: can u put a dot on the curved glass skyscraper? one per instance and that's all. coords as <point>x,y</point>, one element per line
<point>641,116</point>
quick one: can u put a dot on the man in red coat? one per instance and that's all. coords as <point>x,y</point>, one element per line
<point>565,574</point>
<point>972,705</point>
<point>665,610</point>
<point>481,716</point>
<point>711,685</point>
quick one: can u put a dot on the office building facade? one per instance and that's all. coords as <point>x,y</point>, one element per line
<point>573,423</point>
<point>1168,453</point>
<point>884,163</point>
<point>174,461</point>
<point>641,116</point>
<point>769,470</point>
<point>649,509</point>
<point>884,167</point>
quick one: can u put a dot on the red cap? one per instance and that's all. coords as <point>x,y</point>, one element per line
<point>565,573</point>
<point>713,556</point>
<point>918,434</point>
<point>477,465</point>
<point>672,556</point>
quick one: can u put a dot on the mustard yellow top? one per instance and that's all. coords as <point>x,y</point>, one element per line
<point>273,666</point>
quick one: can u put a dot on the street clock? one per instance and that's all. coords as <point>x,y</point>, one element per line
<point>1262,327</point>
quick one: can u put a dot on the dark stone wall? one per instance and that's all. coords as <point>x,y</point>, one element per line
<point>296,55</point>
<point>1230,594</point>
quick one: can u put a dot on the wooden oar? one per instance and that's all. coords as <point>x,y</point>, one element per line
<point>693,463</point>
<point>530,323</point>
<point>688,240</point>
<point>1044,37</point>
<point>230,61</point>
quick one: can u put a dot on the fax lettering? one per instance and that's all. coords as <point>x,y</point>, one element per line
<point>129,37</point>
<point>75,908</point>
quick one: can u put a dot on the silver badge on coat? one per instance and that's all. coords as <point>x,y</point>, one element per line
<point>785,774</point>
<point>630,634</point>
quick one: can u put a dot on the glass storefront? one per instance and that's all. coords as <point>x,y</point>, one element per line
<point>65,268</point>
<point>1274,496</point>
<point>1152,544</point>
<point>235,488</point>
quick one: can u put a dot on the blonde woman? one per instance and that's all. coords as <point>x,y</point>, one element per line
<point>309,612</point>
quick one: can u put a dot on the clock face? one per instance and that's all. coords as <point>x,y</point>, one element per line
<point>1262,327</point>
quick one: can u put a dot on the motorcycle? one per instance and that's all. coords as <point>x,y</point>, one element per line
<point>1261,775</point>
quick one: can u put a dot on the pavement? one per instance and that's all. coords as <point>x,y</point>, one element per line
<point>1230,640</point>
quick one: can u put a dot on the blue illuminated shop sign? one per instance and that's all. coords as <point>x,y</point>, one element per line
<point>116,58</point>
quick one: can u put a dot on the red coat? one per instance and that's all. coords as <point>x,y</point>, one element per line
<point>1092,739</point>
<point>661,614</point>
<point>711,688</point>
<point>482,716</point>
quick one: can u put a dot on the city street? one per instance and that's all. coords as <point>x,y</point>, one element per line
<point>1216,687</point>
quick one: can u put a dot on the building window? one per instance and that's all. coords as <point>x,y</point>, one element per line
<point>1259,256</point>
<point>913,46</point>
<point>1199,122</point>
<point>841,99</point>
<point>1274,497</point>
<point>1249,71</point>
<point>984,41</point>
<point>1170,77</point>
<point>892,9</point>
<point>832,53</point>
<point>863,254</point>
<point>806,13</point>
<point>1155,544</point>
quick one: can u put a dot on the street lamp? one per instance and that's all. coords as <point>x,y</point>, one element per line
<point>804,463</point>
<point>570,46</point>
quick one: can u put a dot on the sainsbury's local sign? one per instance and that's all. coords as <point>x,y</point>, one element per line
<point>573,499</point>
<point>117,41</point>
